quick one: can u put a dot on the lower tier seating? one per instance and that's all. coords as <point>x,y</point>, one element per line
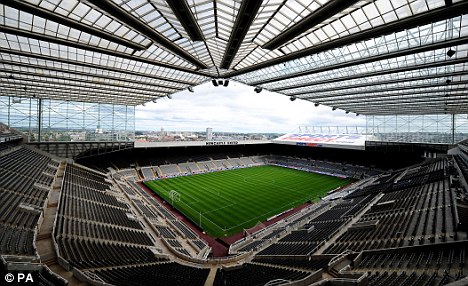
<point>252,275</point>
<point>173,274</point>
<point>83,253</point>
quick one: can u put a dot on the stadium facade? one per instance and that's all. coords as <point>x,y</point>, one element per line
<point>74,207</point>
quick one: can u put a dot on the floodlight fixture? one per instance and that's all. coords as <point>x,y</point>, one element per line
<point>317,104</point>
<point>292,98</point>
<point>450,53</point>
<point>347,112</point>
<point>258,89</point>
<point>357,114</point>
<point>226,83</point>
<point>170,96</point>
<point>220,82</point>
<point>215,82</point>
<point>333,108</point>
<point>190,89</point>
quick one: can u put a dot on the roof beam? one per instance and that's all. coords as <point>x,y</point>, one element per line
<point>409,108</point>
<point>247,12</point>
<point>74,87</point>
<point>375,73</point>
<point>67,21</point>
<point>91,66</point>
<point>376,83</point>
<point>69,96</point>
<point>383,96</point>
<point>74,82</point>
<point>410,51</point>
<point>215,14</point>
<point>183,13</point>
<point>42,89</point>
<point>415,105</point>
<point>82,46</point>
<point>416,100</point>
<point>318,16</point>
<point>431,16</point>
<point>379,90</point>
<point>85,74</point>
<point>119,13</point>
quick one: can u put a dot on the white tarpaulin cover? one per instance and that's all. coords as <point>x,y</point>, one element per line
<point>347,141</point>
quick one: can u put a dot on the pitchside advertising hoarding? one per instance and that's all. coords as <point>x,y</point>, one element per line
<point>343,141</point>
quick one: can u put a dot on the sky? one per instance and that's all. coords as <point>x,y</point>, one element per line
<point>237,108</point>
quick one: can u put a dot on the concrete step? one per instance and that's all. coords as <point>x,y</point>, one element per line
<point>44,236</point>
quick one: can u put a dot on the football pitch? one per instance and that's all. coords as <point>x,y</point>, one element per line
<point>226,202</point>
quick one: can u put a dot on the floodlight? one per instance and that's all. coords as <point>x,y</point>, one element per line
<point>226,83</point>
<point>258,89</point>
<point>154,100</point>
<point>333,108</point>
<point>220,82</point>
<point>450,53</point>
<point>190,89</point>
<point>357,114</point>
<point>317,104</point>
<point>347,112</point>
<point>292,98</point>
<point>215,82</point>
<point>170,96</point>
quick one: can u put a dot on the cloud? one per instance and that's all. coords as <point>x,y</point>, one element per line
<point>237,108</point>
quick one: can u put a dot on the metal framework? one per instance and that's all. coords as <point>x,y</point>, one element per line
<point>368,57</point>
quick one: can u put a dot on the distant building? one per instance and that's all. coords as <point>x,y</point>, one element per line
<point>209,134</point>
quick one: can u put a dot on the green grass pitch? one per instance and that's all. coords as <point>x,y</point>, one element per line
<point>226,202</point>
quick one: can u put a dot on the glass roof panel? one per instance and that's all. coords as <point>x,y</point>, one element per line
<point>85,47</point>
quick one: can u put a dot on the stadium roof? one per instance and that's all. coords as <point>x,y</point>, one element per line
<point>367,57</point>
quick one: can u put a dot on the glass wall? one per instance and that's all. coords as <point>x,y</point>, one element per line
<point>55,120</point>
<point>437,128</point>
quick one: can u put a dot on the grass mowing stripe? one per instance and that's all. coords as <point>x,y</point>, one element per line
<point>230,201</point>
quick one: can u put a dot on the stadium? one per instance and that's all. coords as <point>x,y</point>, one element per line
<point>85,201</point>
